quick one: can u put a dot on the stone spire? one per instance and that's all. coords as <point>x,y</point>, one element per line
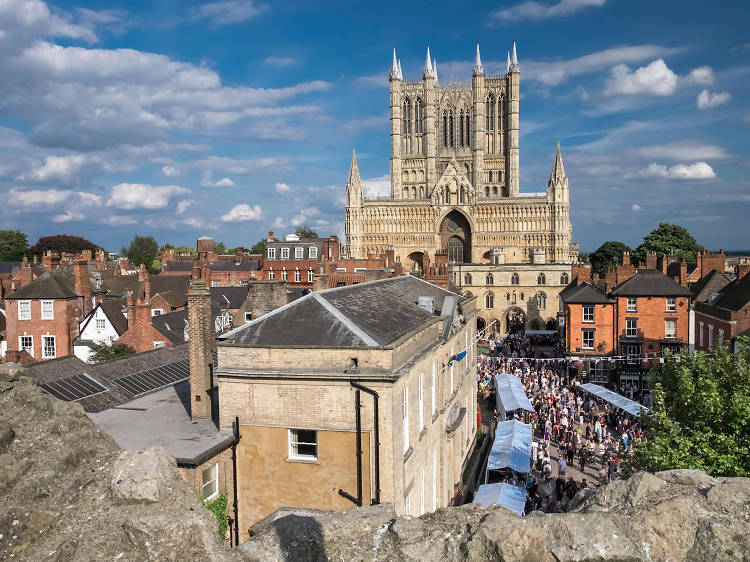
<point>507,68</point>
<point>400,72</point>
<point>514,59</point>
<point>354,169</point>
<point>428,66</point>
<point>478,63</point>
<point>434,69</point>
<point>558,170</point>
<point>354,183</point>
<point>395,71</point>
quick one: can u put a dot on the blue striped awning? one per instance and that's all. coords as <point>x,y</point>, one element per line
<point>630,406</point>
<point>512,447</point>
<point>512,497</point>
<point>510,393</point>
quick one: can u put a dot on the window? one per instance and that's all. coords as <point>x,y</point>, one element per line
<point>157,311</point>
<point>710,336</point>
<point>405,420</point>
<point>48,312</point>
<point>48,347</point>
<point>309,275</point>
<point>432,388</point>
<point>522,297</point>
<point>700,334</point>
<point>541,301</point>
<point>299,252</point>
<point>248,316</point>
<point>296,276</point>
<point>587,338</point>
<point>24,310</point>
<point>245,282</point>
<point>407,504</point>
<point>303,444</point>
<point>631,327</point>
<point>271,253</point>
<point>211,482</point>
<point>489,280</point>
<point>271,274</point>
<point>421,403</point>
<point>283,274</point>
<point>632,352</point>
<point>541,279</point>
<point>101,324</point>
<point>284,253</point>
<point>670,328</point>
<point>632,304</point>
<point>26,343</point>
<point>721,337</point>
<point>564,279</point>
<point>467,279</point>
<point>158,344</point>
<point>216,283</point>
<point>588,313</point>
<point>313,252</point>
<point>514,279</point>
<point>671,304</point>
<point>489,301</point>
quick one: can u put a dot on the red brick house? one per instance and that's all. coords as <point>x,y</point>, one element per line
<point>724,316</point>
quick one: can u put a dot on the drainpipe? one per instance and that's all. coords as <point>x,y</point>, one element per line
<point>358,451</point>
<point>234,474</point>
<point>374,395</point>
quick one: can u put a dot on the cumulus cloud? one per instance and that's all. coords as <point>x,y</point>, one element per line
<point>66,170</point>
<point>143,196</point>
<point>170,171</point>
<point>304,215</point>
<point>119,220</point>
<point>536,10</point>
<point>695,171</point>
<point>183,206</point>
<point>703,75</point>
<point>281,61</point>
<point>206,181</point>
<point>281,187</point>
<point>636,207</point>
<point>683,150</point>
<point>707,100</point>
<point>50,197</point>
<point>374,187</point>
<point>242,167</point>
<point>68,216</point>
<point>242,213</point>
<point>655,79</point>
<point>229,11</point>
<point>23,20</point>
<point>278,223</point>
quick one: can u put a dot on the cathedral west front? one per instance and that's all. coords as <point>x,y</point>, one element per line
<point>455,178</point>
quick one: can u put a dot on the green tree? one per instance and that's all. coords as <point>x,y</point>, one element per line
<point>103,352</point>
<point>669,239</point>
<point>608,254</point>
<point>143,250</point>
<point>180,250</point>
<point>13,245</point>
<point>701,414</point>
<point>155,266</point>
<point>220,248</point>
<point>63,243</point>
<point>304,231</point>
<point>259,247</point>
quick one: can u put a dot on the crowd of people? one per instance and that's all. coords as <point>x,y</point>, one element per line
<point>570,426</point>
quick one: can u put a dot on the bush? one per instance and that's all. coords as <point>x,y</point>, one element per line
<point>218,506</point>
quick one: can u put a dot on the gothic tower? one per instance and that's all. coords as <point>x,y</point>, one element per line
<point>353,222</point>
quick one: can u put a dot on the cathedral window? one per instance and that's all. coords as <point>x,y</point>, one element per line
<point>522,297</point>
<point>514,279</point>
<point>467,279</point>
<point>461,196</point>
<point>489,280</point>
<point>487,191</point>
<point>542,279</point>
<point>418,116</point>
<point>447,194</point>
<point>468,129</point>
<point>507,296</point>
<point>564,279</point>
<point>403,117</point>
<point>489,301</point>
<point>490,176</point>
<point>490,112</point>
<point>408,116</point>
<point>494,191</point>
<point>505,191</point>
<point>450,122</point>
<point>461,128</point>
<point>445,128</point>
<point>541,301</point>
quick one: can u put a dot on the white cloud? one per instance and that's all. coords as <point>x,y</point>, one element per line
<point>229,11</point>
<point>183,206</point>
<point>281,187</point>
<point>281,61</point>
<point>655,79</point>
<point>374,187</point>
<point>683,150</point>
<point>636,207</point>
<point>206,181</point>
<point>39,197</point>
<point>170,171</point>
<point>242,167</point>
<point>22,20</point>
<point>119,220</point>
<point>536,10</point>
<point>304,215</point>
<point>695,171</point>
<point>194,222</point>
<point>707,100</point>
<point>278,223</point>
<point>143,196</point>
<point>69,216</point>
<point>375,80</point>
<point>242,213</point>
<point>372,122</point>
<point>703,75</point>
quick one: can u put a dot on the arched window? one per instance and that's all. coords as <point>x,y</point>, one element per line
<point>489,280</point>
<point>309,275</point>
<point>507,296</point>
<point>514,279</point>
<point>404,125</point>
<point>541,280</point>
<point>445,128</point>
<point>490,112</point>
<point>490,176</point>
<point>447,194</point>
<point>418,116</point>
<point>271,274</point>
<point>283,274</point>
<point>467,279</point>
<point>461,128</point>
<point>461,195</point>
<point>489,301</point>
<point>564,279</point>
<point>468,129</point>
<point>541,301</point>
<point>494,191</point>
<point>522,296</point>
<point>450,122</point>
<point>487,191</point>
<point>296,276</point>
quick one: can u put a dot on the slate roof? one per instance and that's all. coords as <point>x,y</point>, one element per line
<point>171,325</point>
<point>174,299</point>
<point>178,265</point>
<point>650,283</point>
<point>119,285</point>
<point>6,267</point>
<point>50,285</point>
<point>585,293</point>
<point>371,314</point>
<point>215,265</point>
<point>113,310</point>
<point>735,295</point>
<point>229,297</point>
<point>713,282</point>
<point>106,373</point>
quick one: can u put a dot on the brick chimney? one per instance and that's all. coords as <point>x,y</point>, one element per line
<point>320,281</point>
<point>147,288</point>
<point>100,261</point>
<point>82,285</point>
<point>742,270</point>
<point>611,277</point>
<point>142,272</point>
<point>270,236</point>
<point>131,311</point>
<point>651,260</point>
<point>663,264</point>
<point>196,270</point>
<point>683,273</point>
<point>201,340</point>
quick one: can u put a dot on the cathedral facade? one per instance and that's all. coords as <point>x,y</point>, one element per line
<point>455,178</point>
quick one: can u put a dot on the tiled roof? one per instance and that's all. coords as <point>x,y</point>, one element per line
<point>585,293</point>
<point>215,265</point>
<point>113,310</point>
<point>7,267</point>
<point>711,283</point>
<point>735,295</point>
<point>50,285</point>
<point>229,297</point>
<point>369,314</point>
<point>650,283</point>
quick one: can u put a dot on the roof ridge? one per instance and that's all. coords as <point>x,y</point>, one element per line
<point>266,315</point>
<point>345,320</point>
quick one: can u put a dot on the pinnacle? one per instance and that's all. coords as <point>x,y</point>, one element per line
<point>558,170</point>
<point>478,63</point>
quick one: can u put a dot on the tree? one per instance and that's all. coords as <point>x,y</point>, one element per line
<point>220,248</point>
<point>608,254</point>
<point>669,239</point>
<point>155,266</point>
<point>701,414</point>
<point>184,250</point>
<point>259,247</point>
<point>103,352</point>
<point>304,231</point>
<point>60,243</point>
<point>143,250</point>
<point>13,245</point>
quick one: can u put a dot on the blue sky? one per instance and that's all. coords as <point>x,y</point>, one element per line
<point>236,117</point>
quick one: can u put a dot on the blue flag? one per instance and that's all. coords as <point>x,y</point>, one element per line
<point>457,357</point>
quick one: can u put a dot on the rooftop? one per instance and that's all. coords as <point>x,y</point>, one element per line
<point>50,285</point>
<point>650,283</point>
<point>735,295</point>
<point>585,293</point>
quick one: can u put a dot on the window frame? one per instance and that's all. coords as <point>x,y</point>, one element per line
<point>283,274</point>
<point>634,330</point>
<point>45,339</point>
<point>587,332</point>
<point>284,253</point>
<point>51,315</point>
<point>584,316</point>
<point>103,322</point>
<point>159,343</point>
<point>26,313</point>
<point>156,312</point>
<point>215,283</point>
<point>21,347</point>
<point>293,441</point>
<point>297,277</point>
<point>631,304</point>
<point>309,275</point>
<point>214,479</point>
<point>271,253</point>
<point>667,322</point>
<point>248,317</point>
<point>671,304</point>
<point>312,253</point>
<point>299,252</point>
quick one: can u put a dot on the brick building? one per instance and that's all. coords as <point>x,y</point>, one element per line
<point>724,315</point>
<point>296,260</point>
<point>232,270</point>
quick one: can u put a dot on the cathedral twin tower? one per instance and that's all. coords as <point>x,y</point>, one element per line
<point>455,178</point>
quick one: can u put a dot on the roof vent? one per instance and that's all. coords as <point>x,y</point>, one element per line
<point>428,303</point>
<point>292,238</point>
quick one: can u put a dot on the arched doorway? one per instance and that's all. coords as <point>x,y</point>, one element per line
<point>416,261</point>
<point>455,237</point>
<point>515,320</point>
<point>480,324</point>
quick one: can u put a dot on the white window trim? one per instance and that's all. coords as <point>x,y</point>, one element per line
<point>673,302</point>
<point>634,308</point>
<point>283,274</point>
<point>296,456</point>
<point>271,253</point>
<point>313,252</point>
<point>421,403</point>
<point>297,277</point>
<point>250,314</point>
<point>158,344</point>
<point>24,316</point>
<point>583,345</point>
<point>215,283</point>
<point>54,342</point>
<point>666,323</point>
<point>103,322</point>
<point>299,252</point>
<point>52,310</point>
<point>405,420</point>
<point>30,351</point>
<point>215,478</point>
<point>284,253</point>
<point>590,307</point>
<point>432,388</point>
<point>309,275</point>
<point>700,334</point>
<point>157,312</point>
<point>627,328</point>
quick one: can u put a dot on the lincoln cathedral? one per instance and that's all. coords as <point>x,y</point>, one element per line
<point>455,178</point>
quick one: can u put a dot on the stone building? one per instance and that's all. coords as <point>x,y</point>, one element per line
<point>455,177</point>
<point>296,376</point>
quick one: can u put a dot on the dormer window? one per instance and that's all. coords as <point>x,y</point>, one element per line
<point>284,253</point>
